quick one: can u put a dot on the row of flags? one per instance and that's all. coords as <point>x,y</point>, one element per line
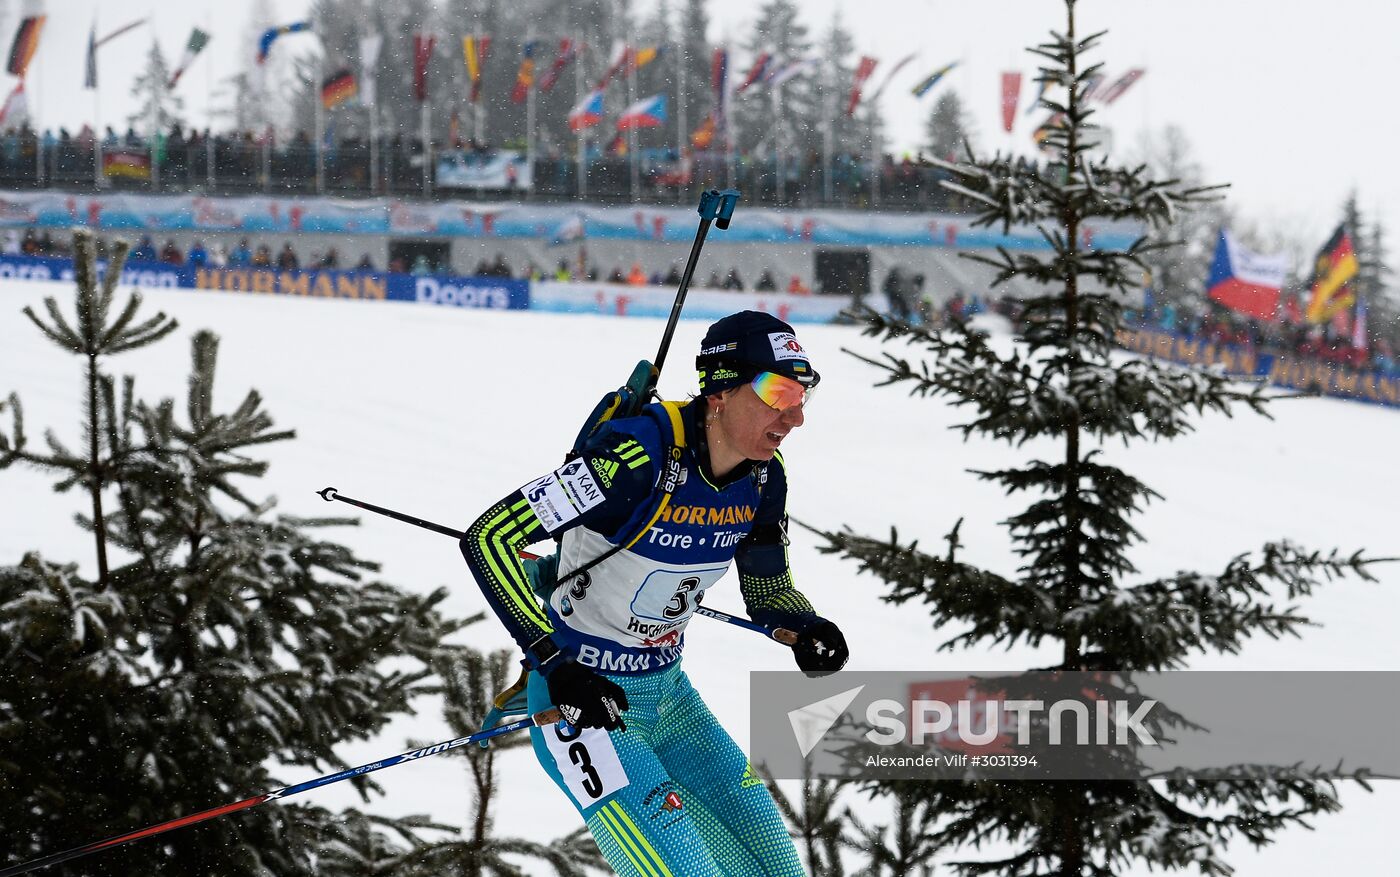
<point>1096,89</point>
<point>649,112</point>
<point>1252,283</point>
<point>765,71</point>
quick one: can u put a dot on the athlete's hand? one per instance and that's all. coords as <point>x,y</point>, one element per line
<point>586,699</point>
<point>820,649</point>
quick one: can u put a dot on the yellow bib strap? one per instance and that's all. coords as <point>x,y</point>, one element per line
<point>673,456</point>
<point>673,410</point>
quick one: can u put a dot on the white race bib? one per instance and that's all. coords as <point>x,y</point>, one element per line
<point>588,762</point>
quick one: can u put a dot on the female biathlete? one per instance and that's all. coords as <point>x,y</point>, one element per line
<point>649,515</point>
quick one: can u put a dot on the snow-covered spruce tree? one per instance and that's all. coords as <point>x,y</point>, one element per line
<point>470,680</point>
<point>816,820</point>
<point>1062,383</point>
<point>949,127</point>
<point>904,848</point>
<point>159,108</point>
<point>217,640</point>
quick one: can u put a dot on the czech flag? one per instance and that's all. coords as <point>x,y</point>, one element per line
<point>589,111</point>
<point>1246,282</point>
<point>646,113</point>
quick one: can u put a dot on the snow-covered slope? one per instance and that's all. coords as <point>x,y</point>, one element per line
<point>438,412</point>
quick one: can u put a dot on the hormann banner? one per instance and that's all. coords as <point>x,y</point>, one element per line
<point>1283,370</point>
<point>1045,725</point>
<point>554,222</point>
<point>493,293</point>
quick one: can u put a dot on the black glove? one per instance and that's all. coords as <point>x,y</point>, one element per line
<point>585,699</point>
<point>820,649</point>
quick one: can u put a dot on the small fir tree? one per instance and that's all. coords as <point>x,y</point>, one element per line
<point>949,130</point>
<point>904,848</point>
<point>469,681</point>
<point>1062,383</point>
<point>216,640</point>
<point>158,107</point>
<point>816,821</point>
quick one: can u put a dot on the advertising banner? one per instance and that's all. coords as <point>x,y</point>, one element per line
<point>700,304</point>
<point>463,292</point>
<point>503,169</point>
<point>153,214</point>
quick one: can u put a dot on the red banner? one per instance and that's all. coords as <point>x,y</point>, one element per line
<point>863,71</point>
<point>1010,99</point>
<point>422,52</point>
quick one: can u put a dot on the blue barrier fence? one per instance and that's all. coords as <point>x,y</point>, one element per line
<point>495,293</point>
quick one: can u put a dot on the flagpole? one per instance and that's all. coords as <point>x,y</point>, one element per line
<point>731,164</point>
<point>874,156</point>
<point>581,184</point>
<point>481,104</point>
<point>530,111</point>
<point>97,178</point>
<point>154,141</point>
<point>423,123</point>
<point>828,135</point>
<point>320,109</point>
<point>776,93</point>
<point>680,119</point>
<point>634,169</point>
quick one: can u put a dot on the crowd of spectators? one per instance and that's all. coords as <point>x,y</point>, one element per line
<point>242,255</point>
<point>1328,343</point>
<point>240,162</point>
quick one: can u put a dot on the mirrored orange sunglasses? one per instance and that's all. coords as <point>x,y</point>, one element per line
<point>780,393</point>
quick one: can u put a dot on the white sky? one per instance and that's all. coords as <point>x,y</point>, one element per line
<point>1283,100</point>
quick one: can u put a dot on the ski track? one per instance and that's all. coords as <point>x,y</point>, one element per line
<point>439,412</point>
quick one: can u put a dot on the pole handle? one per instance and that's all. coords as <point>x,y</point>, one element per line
<point>718,205</point>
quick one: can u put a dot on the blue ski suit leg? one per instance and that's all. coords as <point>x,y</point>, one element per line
<point>673,795</point>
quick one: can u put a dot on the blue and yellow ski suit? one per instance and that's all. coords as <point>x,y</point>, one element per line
<point>673,795</point>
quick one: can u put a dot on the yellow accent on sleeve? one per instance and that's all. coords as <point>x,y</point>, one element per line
<point>498,546</point>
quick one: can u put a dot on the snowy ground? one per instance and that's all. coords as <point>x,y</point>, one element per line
<point>440,411</point>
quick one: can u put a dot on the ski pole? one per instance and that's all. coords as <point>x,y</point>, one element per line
<point>544,717</point>
<point>715,207</point>
<point>330,494</point>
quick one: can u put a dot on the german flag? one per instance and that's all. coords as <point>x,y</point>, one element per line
<point>134,165</point>
<point>25,45</point>
<point>338,88</point>
<point>1332,273</point>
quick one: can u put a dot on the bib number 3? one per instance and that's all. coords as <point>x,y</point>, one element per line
<point>587,761</point>
<point>681,601</point>
<point>672,595</point>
